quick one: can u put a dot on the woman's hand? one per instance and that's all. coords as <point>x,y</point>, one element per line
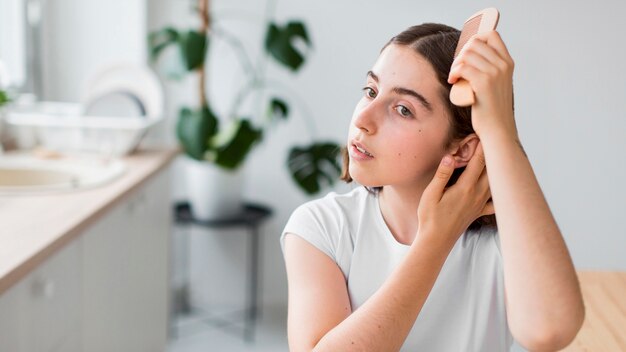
<point>445,213</point>
<point>486,64</point>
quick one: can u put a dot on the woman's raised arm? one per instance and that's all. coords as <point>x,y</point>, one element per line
<point>544,303</point>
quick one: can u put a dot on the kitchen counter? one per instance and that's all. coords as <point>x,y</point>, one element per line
<point>33,227</point>
<point>604,328</point>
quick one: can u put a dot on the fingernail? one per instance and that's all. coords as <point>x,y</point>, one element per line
<point>447,160</point>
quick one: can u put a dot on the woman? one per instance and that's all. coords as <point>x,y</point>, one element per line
<point>414,260</point>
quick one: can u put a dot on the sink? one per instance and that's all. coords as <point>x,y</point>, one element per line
<point>22,173</point>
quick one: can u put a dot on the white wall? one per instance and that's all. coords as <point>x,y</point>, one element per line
<point>80,36</point>
<point>570,106</point>
<point>12,44</point>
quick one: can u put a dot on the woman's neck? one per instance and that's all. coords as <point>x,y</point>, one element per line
<point>399,209</point>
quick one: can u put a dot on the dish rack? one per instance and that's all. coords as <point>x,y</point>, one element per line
<point>64,127</point>
<point>120,103</point>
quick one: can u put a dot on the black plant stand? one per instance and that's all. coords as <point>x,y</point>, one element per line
<point>250,217</point>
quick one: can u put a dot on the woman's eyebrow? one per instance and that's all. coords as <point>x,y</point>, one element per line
<point>406,91</point>
<point>416,95</point>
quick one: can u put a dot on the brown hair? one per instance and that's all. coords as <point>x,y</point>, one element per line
<point>436,43</point>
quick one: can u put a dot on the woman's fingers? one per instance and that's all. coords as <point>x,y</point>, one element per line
<point>434,190</point>
<point>478,47</point>
<point>475,178</point>
<point>489,43</point>
<point>477,61</point>
<point>483,194</point>
<point>485,53</point>
<point>483,185</point>
<point>470,73</point>
<point>488,209</point>
<point>494,40</point>
<point>474,168</point>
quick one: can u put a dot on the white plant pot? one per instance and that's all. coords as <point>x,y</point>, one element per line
<point>213,192</point>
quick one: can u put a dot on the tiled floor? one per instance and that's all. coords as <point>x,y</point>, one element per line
<point>190,334</point>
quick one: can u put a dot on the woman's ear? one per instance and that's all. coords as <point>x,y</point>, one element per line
<point>465,150</point>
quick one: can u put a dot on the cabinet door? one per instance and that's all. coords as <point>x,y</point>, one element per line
<point>55,296</point>
<point>42,312</point>
<point>13,326</point>
<point>149,263</point>
<point>125,273</point>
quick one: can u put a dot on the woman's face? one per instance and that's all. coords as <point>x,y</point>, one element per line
<point>400,124</point>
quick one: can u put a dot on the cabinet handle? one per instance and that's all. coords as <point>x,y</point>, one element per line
<point>137,204</point>
<point>142,201</point>
<point>44,288</point>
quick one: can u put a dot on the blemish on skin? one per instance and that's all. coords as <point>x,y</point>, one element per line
<point>420,130</point>
<point>399,154</point>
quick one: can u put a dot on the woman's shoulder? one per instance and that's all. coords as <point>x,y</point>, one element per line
<point>336,203</point>
<point>325,221</point>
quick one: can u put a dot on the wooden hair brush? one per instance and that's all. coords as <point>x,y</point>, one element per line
<point>482,21</point>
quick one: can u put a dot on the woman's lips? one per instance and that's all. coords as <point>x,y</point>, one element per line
<point>358,152</point>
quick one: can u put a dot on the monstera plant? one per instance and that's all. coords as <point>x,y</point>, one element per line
<point>226,141</point>
<point>4,98</point>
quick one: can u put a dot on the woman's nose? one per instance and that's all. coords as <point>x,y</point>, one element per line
<point>365,118</point>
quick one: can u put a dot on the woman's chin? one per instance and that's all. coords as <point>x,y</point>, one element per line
<point>364,180</point>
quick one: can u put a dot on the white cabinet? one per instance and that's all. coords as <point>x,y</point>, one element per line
<point>56,301</point>
<point>107,290</point>
<point>43,311</point>
<point>11,322</point>
<point>125,288</point>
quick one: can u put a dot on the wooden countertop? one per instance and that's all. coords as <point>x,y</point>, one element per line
<point>36,226</point>
<point>604,328</point>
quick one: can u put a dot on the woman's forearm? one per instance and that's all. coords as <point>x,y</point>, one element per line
<point>544,303</point>
<point>384,321</point>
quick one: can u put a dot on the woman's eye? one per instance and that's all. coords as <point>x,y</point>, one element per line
<point>369,92</point>
<point>403,110</point>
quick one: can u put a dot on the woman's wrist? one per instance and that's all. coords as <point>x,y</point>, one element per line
<point>500,138</point>
<point>437,240</point>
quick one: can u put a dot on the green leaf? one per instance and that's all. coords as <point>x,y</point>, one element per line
<point>225,135</point>
<point>4,98</point>
<point>233,153</point>
<point>194,129</point>
<point>315,165</point>
<point>279,43</point>
<point>193,45</point>
<point>159,40</point>
<point>211,120</point>
<point>279,108</point>
<point>297,28</point>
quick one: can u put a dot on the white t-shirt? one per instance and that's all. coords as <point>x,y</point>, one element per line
<point>465,310</point>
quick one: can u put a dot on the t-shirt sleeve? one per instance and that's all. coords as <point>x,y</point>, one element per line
<point>496,239</point>
<point>311,222</point>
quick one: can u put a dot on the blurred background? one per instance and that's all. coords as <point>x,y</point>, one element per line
<point>569,105</point>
